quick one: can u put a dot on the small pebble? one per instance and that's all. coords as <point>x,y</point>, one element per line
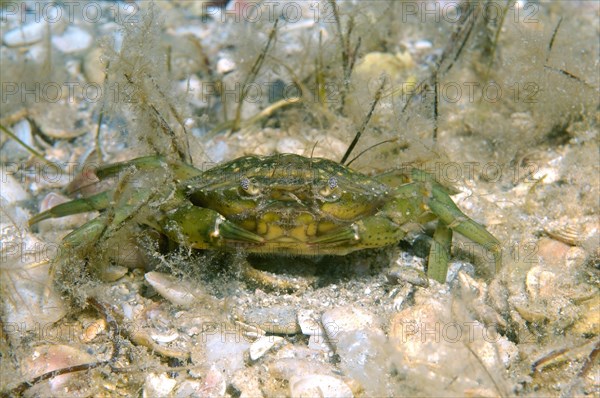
<point>188,388</point>
<point>72,40</point>
<point>58,121</point>
<point>552,252</point>
<point>92,330</point>
<point>541,283</point>
<point>308,322</point>
<point>290,145</point>
<point>28,298</point>
<point>25,35</point>
<point>225,348</point>
<point>374,64</point>
<point>319,343</point>
<point>159,385</point>
<point>93,68</point>
<point>183,31</point>
<point>576,257</point>
<point>456,267</point>
<point>12,190</point>
<point>47,358</point>
<point>589,320</point>
<point>164,338</point>
<point>225,65</point>
<point>357,338</point>
<point>329,147</point>
<point>112,273</point>
<point>13,150</point>
<point>275,319</point>
<point>214,384</point>
<point>218,149</point>
<point>421,45</point>
<point>347,319</point>
<point>286,368</point>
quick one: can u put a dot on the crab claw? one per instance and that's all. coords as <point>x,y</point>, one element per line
<point>203,228</point>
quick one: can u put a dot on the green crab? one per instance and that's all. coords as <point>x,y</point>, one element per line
<point>281,204</point>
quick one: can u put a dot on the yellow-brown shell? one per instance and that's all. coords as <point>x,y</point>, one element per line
<point>286,198</point>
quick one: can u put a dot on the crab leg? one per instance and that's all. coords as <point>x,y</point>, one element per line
<point>99,201</point>
<point>91,231</point>
<point>398,178</point>
<point>119,206</point>
<point>408,206</point>
<point>426,200</point>
<point>180,170</point>
<point>103,200</point>
<point>444,208</point>
<point>439,253</point>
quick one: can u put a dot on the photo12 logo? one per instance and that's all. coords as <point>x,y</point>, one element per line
<point>461,11</point>
<point>68,11</point>
<point>451,332</point>
<point>71,92</point>
<point>270,11</point>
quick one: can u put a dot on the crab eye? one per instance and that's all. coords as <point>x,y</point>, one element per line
<point>332,182</point>
<point>249,186</point>
<point>330,187</point>
<point>245,183</point>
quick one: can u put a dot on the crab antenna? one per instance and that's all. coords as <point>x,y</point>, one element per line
<point>312,152</point>
<point>365,122</point>
<point>403,146</point>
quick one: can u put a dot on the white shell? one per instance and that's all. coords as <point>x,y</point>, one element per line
<point>176,291</point>
<point>319,386</point>
<point>262,345</point>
